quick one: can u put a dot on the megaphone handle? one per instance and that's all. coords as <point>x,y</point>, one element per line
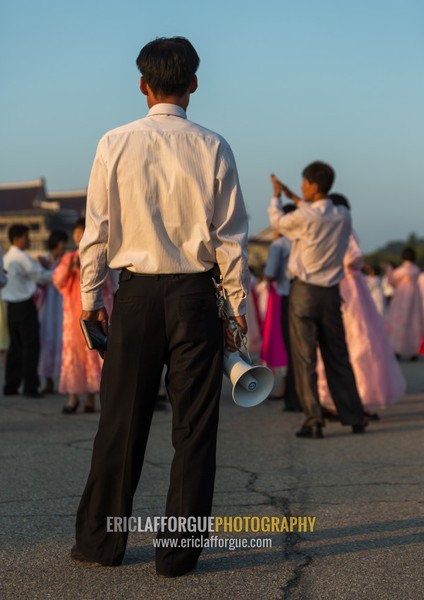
<point>243,338</point>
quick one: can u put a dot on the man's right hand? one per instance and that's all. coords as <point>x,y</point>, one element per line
<point>280,187</point>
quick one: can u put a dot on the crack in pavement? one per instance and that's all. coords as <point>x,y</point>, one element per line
<point>291,539</point>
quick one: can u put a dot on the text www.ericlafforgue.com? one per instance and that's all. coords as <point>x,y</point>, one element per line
<point>213,542</point>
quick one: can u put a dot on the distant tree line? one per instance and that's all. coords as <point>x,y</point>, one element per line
<point>391,252</point>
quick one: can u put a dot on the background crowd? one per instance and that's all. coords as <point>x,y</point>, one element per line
<point>43,349</point>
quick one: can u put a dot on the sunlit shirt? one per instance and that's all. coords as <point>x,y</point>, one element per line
<point>164,197</point>
<point>320,233</point>
<point>23,274</point>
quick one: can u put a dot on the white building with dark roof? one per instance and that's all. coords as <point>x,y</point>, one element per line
<point>28,203</point>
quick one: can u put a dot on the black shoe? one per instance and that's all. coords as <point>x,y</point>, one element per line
<point>372,416</point>
<point>35,394</point>
<point>358,428</point>
<point>290,407</point>
<point>179,573</point>
<point>10,393</point>
<point>78,557</point>
<point>329,416</point>
<point>69,409</point>
<point>313,432</point>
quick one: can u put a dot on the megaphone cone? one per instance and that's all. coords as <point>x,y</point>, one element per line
<point>251,384</point>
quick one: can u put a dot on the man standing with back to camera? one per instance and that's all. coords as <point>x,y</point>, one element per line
<point>164,205</point>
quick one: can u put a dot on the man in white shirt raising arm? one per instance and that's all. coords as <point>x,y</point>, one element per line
<point>320,233</point>
<point>164,205</point>
<point>23,274</point>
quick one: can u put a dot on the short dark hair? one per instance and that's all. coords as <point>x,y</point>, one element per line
<point>55,237</point>
<point>409,253</point>
<point>168,65</point>
<point>17,231</point>
<point>321,174</point>
<point>339,200</point>
<point>79,224</point>
<point>288,208</point>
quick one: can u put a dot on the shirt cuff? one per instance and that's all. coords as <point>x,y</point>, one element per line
<point>92,301</point>
<point>276,203</point>
<point>236,306</point>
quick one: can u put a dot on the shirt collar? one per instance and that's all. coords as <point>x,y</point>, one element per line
<point>172,110</point>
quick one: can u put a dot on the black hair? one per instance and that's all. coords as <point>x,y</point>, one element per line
<point>168,65</point>
<point>17,231</point>
<point>321,174</point>
<point>80,224</point>
<point>339,200</point>
<point>409,253</point>
<point>288,208</point>
<point>55,237</point>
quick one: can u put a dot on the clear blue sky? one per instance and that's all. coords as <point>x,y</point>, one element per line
<point>285,82</point>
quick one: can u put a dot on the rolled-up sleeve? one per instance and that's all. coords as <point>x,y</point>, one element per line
<point>229,231</point>
<point>289,224</point>
<point>93,246</point>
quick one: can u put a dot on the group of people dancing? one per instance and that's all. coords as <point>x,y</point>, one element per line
<point>41,331</point>
<point>377,334</point>
<point>39,321</point>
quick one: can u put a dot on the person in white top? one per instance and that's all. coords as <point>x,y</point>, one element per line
<point>3,276</point>
<point>23,274</point>
<point>164,205</point>
<point>320,234</point>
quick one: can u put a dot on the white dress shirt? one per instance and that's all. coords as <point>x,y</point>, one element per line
<point>23,274</point>
<point>3,277</point>
<point>277,263</point>
<point>320,232</point>
<point>164,197</point>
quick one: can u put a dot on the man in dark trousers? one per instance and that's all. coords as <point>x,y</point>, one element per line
<point>164,205</point>
<point>320,234</point>
<point>23,274</point>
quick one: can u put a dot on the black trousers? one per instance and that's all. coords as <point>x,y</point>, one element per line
<point>315,318</point>
<point>290,395</point>
<point>170,320</point>
<point>24,350</point>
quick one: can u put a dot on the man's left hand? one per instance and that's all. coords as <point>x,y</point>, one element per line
<point>96,315</point>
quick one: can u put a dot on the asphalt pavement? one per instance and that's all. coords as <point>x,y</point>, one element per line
<point>365,491</point>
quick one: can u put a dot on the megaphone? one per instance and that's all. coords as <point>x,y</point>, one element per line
<point>251,384</point>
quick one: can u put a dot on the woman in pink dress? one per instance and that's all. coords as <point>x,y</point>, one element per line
<point>81,368</point>
<point>254,339</point>
<point>378,376</point>
<point>405,318</point>
<point>421,286</point>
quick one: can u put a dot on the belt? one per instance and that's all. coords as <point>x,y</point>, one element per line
<point>126,275</point>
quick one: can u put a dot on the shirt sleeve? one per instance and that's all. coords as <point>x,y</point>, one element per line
<point>93,246</point>
<point>35,270</point>
<point>287,224</point>
<point>353,259</point>
<point>229,231</point>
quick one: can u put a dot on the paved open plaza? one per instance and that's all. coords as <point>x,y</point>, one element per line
<point>365,491</point>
